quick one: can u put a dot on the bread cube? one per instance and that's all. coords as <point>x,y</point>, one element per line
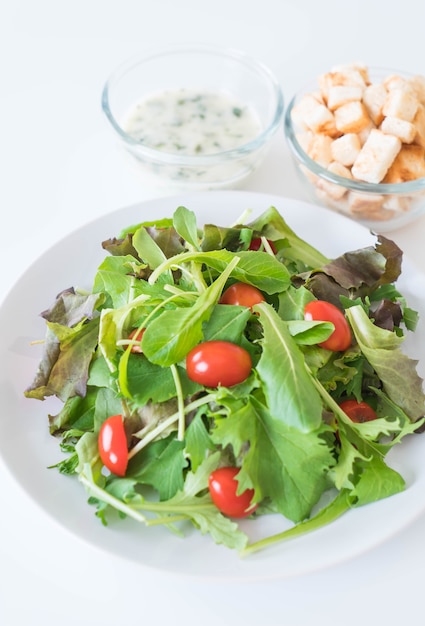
<point>419,123</point>
<point>358,66</point>
<point>341,76</point>
<point>409,164</point>
<point>364,134</point>
<point>305,139</point>
<point>320,149</point>
<point>302,108</point>
<point>346,148</point>
<point>333,190</point>
<point>374,97</point>
<point>376,156</point>
<point>397,203</point>
<point>405,131</point>
<point>400,103</point>
<point>341,94</point>
<point>351,117</point>
<point>312,114</point>
<point>359,202</point>
<point>417,83</point>
<point>395,81</point>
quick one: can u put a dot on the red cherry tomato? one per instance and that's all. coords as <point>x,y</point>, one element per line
<point>215,363</point>
<point>112,444</point>
<point>358,411</point>
<point>320,310</point>
<point>223,487</point>
<point>242,294</point>
<point>136,335</point>
<point>257,244</point>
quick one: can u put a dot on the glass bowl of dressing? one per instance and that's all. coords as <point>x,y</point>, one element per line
<point>194,116</point>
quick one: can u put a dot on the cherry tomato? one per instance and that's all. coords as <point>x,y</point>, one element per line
<point>242,294</point>
<point>136,335</point>
<point>112,444</point>
<point>214,363</point>
<point>223,486</point>
<point>358,411</point>
<point>257,244</point>
<point>323,311</point>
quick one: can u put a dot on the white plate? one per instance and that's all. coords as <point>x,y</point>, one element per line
<point>27,448</point>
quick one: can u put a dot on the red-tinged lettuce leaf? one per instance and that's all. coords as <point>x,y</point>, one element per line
<point>66,374</point>
<point>281,463</point>
<point>357,273</point>
<point>396,370</point>
<point>66,319</point>
<point>219,237</point>
<point>167,239</point>
<point>70,308</point>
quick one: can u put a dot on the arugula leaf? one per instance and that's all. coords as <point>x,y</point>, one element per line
<point>191,503</point>
<point>147,249</point>
<point>185,224</point>
<point>267,273</point>
<point>160,465</point>
<point>377,481</point>
<point>337,507</point>
<point>170,336</point>
<point>396,370</point>
<point>281,463</point>
<point>147,381</point>
<point>272,225</point>
<point>291,395</point>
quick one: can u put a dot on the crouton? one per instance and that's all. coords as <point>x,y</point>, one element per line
<point>405,131</point>
<point>400,103</point>
<point>351,117</point>
<point>320,150</point>
<point>364,134</point>
<point>346,76</point>
<point>313,115</point>
<point>346,148</point>
<point>395,81</point>
<point>359,202</point>
<point>334,191</point>
<point>374,97</point>
<point>341,94</point>
<point>397,203</point>
<point>409,164</point>
<point>305,139</point>
<point>419,123</point>
<point>417,83</point>
<point>376,156</point>
<point>361,68</point>
<point>302,108</point>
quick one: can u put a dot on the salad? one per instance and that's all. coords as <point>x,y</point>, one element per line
<point>218,373</point>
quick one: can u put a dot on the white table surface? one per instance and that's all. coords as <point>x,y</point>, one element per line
<point>61,168</point>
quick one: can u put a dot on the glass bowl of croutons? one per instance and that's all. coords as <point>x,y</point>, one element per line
<point>357,135</point>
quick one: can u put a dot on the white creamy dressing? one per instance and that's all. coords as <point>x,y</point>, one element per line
<point>190,122</point>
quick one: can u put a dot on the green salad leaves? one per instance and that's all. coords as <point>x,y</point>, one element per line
<point>282,427</point>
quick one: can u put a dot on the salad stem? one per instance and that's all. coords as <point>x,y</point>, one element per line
<point>97,492</point>
<point>153,434</point>
<point>180,403</point>
<point>333,511</point>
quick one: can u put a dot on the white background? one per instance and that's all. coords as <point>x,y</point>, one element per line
<point>59,168</point>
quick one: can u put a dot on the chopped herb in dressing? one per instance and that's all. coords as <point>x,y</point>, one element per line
<point>188,122</point>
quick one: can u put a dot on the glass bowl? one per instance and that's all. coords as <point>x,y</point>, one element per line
<point>244,85</point>
<point>380,206</point>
